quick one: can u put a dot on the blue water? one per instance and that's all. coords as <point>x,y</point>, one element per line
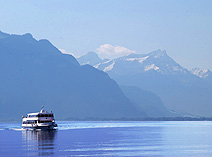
<point>109,139</point>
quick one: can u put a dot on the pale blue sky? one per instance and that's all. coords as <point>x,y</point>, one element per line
<point>182,27</point>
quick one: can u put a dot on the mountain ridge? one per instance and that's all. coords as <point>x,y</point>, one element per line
<point>36,73</point>
<point>179,89</point>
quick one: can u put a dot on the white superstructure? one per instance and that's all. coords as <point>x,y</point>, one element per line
<point>39,120</point>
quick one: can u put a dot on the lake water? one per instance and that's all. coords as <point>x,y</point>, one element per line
<point>109,139</point>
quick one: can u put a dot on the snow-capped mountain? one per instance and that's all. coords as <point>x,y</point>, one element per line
<point>139,63</point>
<point>179,89</point>
<point>131,65</point>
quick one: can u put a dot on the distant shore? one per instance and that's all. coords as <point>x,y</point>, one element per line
<point>143,119</point>
<point>128,119</point>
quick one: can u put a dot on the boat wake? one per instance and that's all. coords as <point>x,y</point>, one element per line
<point>70,125</point>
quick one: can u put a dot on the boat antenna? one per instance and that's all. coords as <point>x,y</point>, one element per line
<point>42,106</point>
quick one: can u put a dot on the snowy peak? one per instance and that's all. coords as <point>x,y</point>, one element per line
<point>158,61</point>
<point>200,72</point>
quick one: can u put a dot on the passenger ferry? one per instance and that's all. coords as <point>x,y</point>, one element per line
<point>39,120</point>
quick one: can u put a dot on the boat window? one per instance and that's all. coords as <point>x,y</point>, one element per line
<point>42,121</point>
<point>45,115</point>
<point>29,122</point>
<point>32,115</point>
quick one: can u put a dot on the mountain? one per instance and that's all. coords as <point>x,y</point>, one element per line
<point>147,101</point>
<point>133,64</point>
<point>35,73</point>
<point>177,87</point>
<point>205,74</point>
<point>90,58</point>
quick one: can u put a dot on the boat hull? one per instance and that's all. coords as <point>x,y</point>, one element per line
<point>40,127</point>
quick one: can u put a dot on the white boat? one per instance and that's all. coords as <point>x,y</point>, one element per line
<point>40,120</point>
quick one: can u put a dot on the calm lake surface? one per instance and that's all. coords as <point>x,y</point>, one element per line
<point>109,139</point>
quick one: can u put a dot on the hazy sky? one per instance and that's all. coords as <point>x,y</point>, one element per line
<point>182,27</point>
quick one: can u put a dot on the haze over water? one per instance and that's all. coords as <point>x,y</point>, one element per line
<point>109,139</point>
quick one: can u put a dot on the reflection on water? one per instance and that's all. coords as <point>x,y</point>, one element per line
<point>117,141</point>
<point>38,143</point>
<point>110,139</point>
